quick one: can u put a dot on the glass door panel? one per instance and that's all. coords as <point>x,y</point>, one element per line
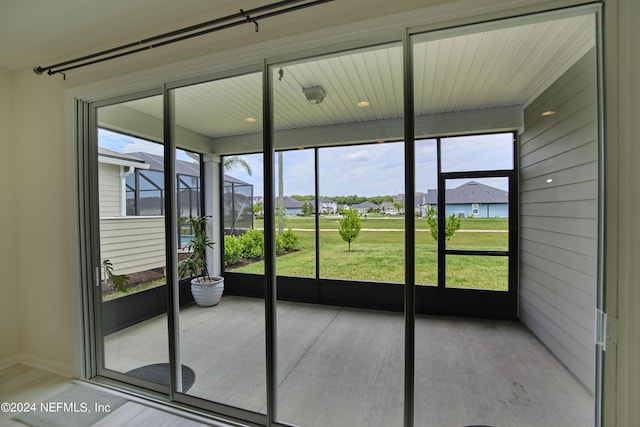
<point>131,195</point>
<point>220,334</point>
<point>337,365</point>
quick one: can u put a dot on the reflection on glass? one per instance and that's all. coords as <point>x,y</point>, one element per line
<point>338,366</point>
<point>477,272</point>
<point>132,240</point>
<point>221,347</point>
<point>477,153</point>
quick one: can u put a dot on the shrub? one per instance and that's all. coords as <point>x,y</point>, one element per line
<point>252,244</point>
<point>290,241</point>
<point>232,250</point>
<point>280,249</point>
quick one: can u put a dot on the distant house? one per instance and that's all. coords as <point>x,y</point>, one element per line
<point>291,206</point>
<point>389,208</point>
<point>327,206</point>
<point>365,207</point>
<point>469,199</point>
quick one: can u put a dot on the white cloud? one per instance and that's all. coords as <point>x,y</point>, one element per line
<point>358,156</point>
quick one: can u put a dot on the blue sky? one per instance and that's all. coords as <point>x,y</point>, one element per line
<point>366,170</point>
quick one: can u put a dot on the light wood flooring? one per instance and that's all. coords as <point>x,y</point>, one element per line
<point>21,383</point>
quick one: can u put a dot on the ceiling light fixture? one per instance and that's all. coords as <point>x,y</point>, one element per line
<point>548,113</point>
<point>250,120</point>
<point>363,104</point>
<point>315,94</point>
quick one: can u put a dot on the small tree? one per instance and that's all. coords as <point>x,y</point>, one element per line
<point>307,209</point>
<point>349,226</point>
<point>451,224</point>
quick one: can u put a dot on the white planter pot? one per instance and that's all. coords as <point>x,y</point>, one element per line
<point>207,294</point>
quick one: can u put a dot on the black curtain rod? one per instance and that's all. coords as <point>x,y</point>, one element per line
<point>242,17</point>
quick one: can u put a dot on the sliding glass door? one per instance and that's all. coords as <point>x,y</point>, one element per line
<point>368,261</point>
<point>220,344</point>
<point>324,193</point>
<point>131,285</point>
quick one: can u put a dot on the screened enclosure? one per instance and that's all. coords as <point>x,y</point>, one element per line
<point>238,206</point>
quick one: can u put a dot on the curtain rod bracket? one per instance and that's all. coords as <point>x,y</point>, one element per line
<point>250,19</point>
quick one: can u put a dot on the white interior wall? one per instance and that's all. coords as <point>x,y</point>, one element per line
<point>9,290</point>
<point>622,247</point>
<point>45,243</point>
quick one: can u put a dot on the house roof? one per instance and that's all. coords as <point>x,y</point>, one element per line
<point>229,178</point>
<point>115,158</point>
<point>156,163</point>
<point>183,167</point>
<point>420,198</point>
<point>470,192</point>
<point>366,205</point>
<point>291,203</point>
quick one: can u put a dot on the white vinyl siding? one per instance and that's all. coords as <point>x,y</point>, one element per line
<point>558,223</point>
<point>109,189</point>
<point>132,244</point>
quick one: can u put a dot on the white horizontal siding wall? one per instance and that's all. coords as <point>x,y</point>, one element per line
<point>109,189</point>
<point>558,223</point>
<point>132,244</point>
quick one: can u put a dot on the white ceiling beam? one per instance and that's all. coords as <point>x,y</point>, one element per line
<point>457,123</point>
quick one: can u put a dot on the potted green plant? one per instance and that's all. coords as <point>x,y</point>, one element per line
<point>206,289</point>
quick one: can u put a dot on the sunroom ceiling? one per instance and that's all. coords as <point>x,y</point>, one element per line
<point>455,72</point>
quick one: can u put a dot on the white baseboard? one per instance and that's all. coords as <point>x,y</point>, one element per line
<point>10,361</point>
<point>38,362</point>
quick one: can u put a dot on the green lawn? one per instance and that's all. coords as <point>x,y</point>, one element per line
<point>379,255</point>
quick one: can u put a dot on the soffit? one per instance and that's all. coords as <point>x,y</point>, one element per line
<point>496,68</point>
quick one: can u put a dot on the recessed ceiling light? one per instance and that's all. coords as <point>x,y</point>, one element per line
<point>549,181</point>
<point>250,120</point>
<point>548,113</point>
<point>363,104</point>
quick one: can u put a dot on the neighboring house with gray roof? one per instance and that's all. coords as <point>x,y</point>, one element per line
<point>470,198</point>
<point>291,206</point>
<point>365,207</point>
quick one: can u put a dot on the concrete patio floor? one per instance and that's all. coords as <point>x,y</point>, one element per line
<point>344,367</point>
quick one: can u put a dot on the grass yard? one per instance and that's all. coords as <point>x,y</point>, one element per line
<point>378,253</point>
